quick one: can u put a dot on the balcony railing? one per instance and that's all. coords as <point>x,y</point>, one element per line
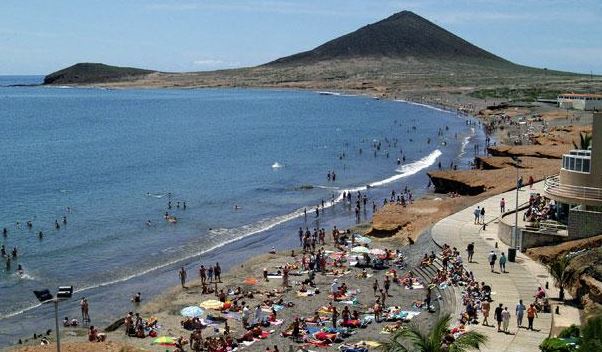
<point>553,186</point>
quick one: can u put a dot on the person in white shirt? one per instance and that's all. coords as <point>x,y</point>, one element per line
<point>505,319</point>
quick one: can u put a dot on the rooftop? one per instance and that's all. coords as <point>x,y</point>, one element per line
<point>581,95</point>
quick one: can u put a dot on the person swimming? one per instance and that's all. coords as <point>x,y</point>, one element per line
<point>20,270</point>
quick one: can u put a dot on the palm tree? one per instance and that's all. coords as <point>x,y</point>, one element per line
<point>585,139</point>
<point>564,276</point>
<point>430,341</point>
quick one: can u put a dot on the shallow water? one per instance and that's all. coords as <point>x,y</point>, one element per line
<point>116,157</point>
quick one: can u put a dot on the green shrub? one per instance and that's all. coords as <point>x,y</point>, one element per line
<point>571,331</point>
<point>556,345</point>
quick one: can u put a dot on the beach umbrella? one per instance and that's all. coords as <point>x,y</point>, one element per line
<point>360,249</point>
<point>211,304</point>
<point>192,312</point>
<point>164,341</point>
<point>250,281</point>
<point>378,251</point>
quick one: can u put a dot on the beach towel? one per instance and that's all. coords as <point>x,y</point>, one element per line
<point>277,322</point>
<point>352,323</point>
<point>312,329</point>
<point>325,336</point>
<point>232,315</point>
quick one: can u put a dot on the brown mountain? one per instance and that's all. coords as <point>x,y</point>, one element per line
<point>403,35</point>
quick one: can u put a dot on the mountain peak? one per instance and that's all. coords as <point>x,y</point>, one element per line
<point>402,35</point>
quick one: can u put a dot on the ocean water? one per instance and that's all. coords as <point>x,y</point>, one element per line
<point>111,160</point>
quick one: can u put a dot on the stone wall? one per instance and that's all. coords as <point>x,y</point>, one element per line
<point>583,223</point>
<point>529,238</point>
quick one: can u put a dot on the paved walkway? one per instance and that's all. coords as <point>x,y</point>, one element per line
<point>522,280</point>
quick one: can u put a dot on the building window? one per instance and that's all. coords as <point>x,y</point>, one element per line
<point>586,165</point>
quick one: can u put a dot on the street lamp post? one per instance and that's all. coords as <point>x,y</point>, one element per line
<point>514,241</point>
<point>56,324</point>
<point>44,296</point>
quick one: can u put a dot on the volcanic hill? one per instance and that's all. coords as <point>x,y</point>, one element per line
<point>403,55</point>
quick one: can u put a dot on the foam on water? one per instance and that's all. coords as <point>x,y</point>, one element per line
<point>466,141</point>
<point>424,106</point>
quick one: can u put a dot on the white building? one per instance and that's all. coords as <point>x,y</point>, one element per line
<point>580,101</point>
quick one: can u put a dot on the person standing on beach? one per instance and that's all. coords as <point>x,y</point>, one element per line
<point>210,273</point>
<point>203,274</point>
<point>492,259</point>
<point>483,215</point>
<point>244,317</point>
<point>335,317</point>
<point>470,250</point>
<point>530,182</point>
<point>183,274</point>
<point>375,286</point>
<point>502,205</point>
<point>520,312</point>
<point>85,306</point>
<point>217,271</point>
<point>477,213</point>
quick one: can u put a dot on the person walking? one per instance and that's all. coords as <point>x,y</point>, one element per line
<point>520,312</point>
<point>498,317</point>
<point>531,315</point>
<point>485,308</point>
<point>470,250</point>
<point>483,215</point>
<point>477,213</point>
<point>502,205</point>
<point>503,262</point>
<point>492,259</point>
<point>183,275</point>
<point>506,319</point>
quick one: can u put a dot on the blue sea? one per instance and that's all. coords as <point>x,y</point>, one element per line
<point>247,162</point>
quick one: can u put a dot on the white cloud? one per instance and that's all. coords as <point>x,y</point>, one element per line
<point>215,63</point>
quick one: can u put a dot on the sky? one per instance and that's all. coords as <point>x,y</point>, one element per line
<point>42,36</point>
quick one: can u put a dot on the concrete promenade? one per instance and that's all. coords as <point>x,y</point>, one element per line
<point>522,279</point>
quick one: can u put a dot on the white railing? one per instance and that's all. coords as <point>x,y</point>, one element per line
<point>553,186</point>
